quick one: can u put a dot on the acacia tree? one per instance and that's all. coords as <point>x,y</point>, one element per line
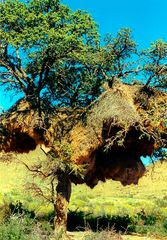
<point>53,58</point>
<point>43,56</point>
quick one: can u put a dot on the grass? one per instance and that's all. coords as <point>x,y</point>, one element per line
<point>112,198</point>
<point>106,199</point>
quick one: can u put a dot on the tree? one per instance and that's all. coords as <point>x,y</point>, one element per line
<point>53,58</point>
<point>43,57</point>
<point>155,67</point>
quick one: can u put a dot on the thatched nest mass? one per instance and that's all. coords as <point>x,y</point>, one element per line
<point>108,139</point>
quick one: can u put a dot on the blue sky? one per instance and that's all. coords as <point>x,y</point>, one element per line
<point>146,18</point>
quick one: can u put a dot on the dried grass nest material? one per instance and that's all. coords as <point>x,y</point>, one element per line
<point>125,123</point>
<point>119,119</point>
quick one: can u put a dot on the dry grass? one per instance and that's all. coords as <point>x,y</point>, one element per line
<point>89,235</point>
<point>109,235</point>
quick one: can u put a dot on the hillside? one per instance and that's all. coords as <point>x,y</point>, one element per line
<point>110,197</point>
<point>106,199</point>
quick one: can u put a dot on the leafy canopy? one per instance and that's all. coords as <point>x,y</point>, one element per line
<point>53,55</point>
<point>44,46</point>
<point>155,64</point>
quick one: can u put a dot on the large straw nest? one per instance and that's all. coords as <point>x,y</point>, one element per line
<point>125,123</point>
<point>118,117</point>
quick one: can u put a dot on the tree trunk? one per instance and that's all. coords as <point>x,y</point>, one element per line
<point>61,206</point>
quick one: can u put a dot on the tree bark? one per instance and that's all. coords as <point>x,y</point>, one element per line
<point>61,205</point>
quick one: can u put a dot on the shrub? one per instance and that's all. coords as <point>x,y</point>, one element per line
<point>103,235</point>
<point>23,228</point>
<point>165,224</point>
<point>76,221</point>
<point>79,221</point>
<point>147,219</point>
<point>18,208</point>
<point>15,229</point>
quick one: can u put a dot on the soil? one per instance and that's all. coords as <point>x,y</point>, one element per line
<point>80,236</point>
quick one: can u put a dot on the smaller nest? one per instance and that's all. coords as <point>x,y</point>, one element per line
<point>18,129</point>
<point>22,129</point>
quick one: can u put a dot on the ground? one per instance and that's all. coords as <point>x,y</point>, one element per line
<point>80,236</point>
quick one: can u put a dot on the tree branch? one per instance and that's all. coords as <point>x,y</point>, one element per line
<point>14,73</point>
<point>37,171</point>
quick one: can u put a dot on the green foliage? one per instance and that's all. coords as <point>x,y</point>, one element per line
<point>43,50</point>
<point>148,230</point>
<point>118,53</point>
<point>16,229</point>
<point>25,228</point>
<point>155,68</point>
<point>142,223</point>
<point>165,224</point>
<point>53,57</point>
<point>105,201</point>
<point>147,219</point>
<point>18,208</point>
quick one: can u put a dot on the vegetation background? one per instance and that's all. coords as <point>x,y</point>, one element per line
<point>140,209</point>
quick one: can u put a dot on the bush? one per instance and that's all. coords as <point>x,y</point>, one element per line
<point>165,224</point>
<point>103,235</point>
<point>119,223</point>
<point>79,221</point>
<point>76,221</point>
<point>23,228</point>
<point>18,208</point>
<point>147,219</point>
<point>156,230</point>
<point>15,229</point>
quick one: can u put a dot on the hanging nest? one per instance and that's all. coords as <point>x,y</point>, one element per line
<point>22,129</point>
<point>108,139</point>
